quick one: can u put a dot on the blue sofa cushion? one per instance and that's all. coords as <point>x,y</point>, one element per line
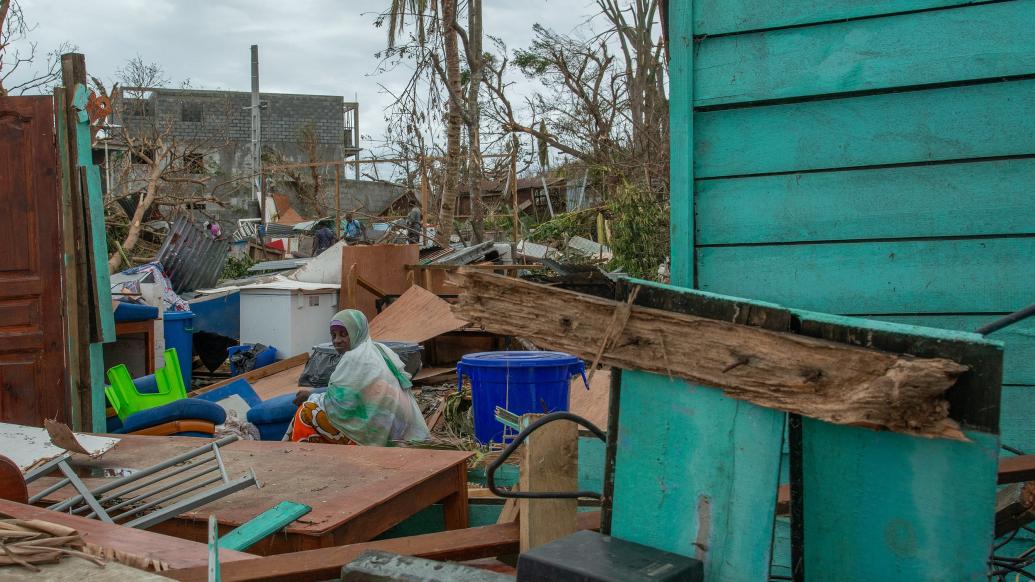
<point>275,410</point>
<point>188,408</point>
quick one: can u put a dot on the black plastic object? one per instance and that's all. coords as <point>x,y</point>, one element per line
<point>324,358</point>
<point>588,556</point>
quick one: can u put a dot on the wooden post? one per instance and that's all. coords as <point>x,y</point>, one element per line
<point>337,201</point>
<point>513,186</point>
<point>549,463</point>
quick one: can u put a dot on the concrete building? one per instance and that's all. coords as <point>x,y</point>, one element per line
<point>211,131</point>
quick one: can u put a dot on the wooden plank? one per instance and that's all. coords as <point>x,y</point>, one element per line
<point>893,128</point>
<point>921,276</point>
<point>549,463</point>
<point>713,17</point>
<point>1016,469</point>
<point>777,370</point>
<point>326,563</point>
<point>1018,408</point>
<point>942,534</point>
<point>942,46</point>
<point>257,374</point>
<point>377,291</point>
<point>162,551</point>
<point>380,265</point>
<point>355,492</point>
<point>284,382</point>
<point>1018,340</point>
<point>713,463</point>
<point>262,525</point>
<point>977,198</point>
<point>417,316</point>
<point>681,140</point>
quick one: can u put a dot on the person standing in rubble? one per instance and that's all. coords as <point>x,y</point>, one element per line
<point>414,225</point>
<point>354,229</point>
<point>368,399</point>
<point>324,239</point>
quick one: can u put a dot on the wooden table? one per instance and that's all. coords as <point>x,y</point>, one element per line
<point>146,327</point>
<point>356,492</point>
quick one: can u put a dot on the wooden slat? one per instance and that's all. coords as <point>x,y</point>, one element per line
<point>939,276</point>
<point>725,16</point>
<point>933,520</point>
<point>1016,469</point>
<point>942,46</point>
<point>326,563</point>
<point>173,552</point>
<point>1018,408</point>
<point>681,140</point>
<point>979,198</point>
<point>782,371</point>
<point>915,126</point>
<point>549,463</point>
<point>713,465</point>
<point>257,374</point>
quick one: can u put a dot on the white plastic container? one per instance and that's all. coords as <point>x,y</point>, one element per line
<point>291,317</point>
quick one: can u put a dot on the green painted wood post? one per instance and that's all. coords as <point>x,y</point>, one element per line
<point>98,236</point>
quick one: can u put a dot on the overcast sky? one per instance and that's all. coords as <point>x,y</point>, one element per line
<point>306,46</point>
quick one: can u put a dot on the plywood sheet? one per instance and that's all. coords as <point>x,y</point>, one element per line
<point>381,265</point>
<point>591,404</point>
<point>29,446</point>
<point>280,383</point>
<point>417,316</point>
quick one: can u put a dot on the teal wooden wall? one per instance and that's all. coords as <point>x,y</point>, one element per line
<point>873,158</point>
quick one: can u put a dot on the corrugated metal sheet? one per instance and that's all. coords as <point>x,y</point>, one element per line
<point>191,258</point>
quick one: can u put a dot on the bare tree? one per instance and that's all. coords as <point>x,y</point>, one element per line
<point>156,164</point>
<point>17,52</point>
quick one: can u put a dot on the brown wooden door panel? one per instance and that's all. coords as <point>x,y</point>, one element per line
<point>33,383</point>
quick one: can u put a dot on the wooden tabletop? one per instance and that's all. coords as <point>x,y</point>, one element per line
<point>356,492</point>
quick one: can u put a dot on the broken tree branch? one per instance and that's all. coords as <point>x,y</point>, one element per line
<point>830,381</point>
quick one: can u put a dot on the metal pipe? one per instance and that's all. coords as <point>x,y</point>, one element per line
<point>143,473</point>
<point>155,502</point>
<point>43,494</point>
<point>142,496</point>
<point>194,502</point>
<point>1007,320</point>
<point>156,479</point>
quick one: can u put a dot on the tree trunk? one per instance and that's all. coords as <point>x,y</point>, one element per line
<point>475,166</point>
<point>154,173</point>
<point>453,121</point>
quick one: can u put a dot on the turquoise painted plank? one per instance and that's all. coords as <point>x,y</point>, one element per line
<point>942,46</point>
<point>96,226</point>
<point>781,563</point>
<point>592,452</point>
<point>266,523</point>
<point>1018,340</point>
<point>885,506</point>
<point>1016,413</point>
<point>953,123</point>
<point>98,403</point>
<point>725,16</point>
<point>940,276</point>
<point>696,474</point>
<point>681,132</point>
<point>978,198</point>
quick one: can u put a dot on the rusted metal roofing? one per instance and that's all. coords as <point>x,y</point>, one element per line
<point>191,258</point>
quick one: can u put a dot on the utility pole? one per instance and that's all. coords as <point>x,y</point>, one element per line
<point>257,181</point>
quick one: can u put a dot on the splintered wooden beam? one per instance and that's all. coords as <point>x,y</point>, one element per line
<point>822,379</point>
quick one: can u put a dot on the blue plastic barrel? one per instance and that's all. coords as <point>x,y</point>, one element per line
<point>521,382</point>
<point>179,334</point>
<point>264,358</point>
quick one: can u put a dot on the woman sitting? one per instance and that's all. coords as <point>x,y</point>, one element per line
<point>367,402</point>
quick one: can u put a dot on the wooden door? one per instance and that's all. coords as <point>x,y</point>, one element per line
<point>32,337</point>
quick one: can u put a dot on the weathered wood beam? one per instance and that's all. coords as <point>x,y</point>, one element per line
<point>817,378</point>
<point>256,374</point>
<point>326,563</point>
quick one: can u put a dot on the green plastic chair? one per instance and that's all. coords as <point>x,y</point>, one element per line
<point>123,394</point>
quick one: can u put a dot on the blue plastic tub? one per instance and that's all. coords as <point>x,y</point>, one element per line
<point>521,382</point>
<point>265,357</point>
<point>179,330</point>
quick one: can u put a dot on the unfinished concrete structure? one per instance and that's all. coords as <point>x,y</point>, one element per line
<point>212,129</point>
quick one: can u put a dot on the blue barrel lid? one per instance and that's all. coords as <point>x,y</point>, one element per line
<point>519,359</point>
<point>174,315</point>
